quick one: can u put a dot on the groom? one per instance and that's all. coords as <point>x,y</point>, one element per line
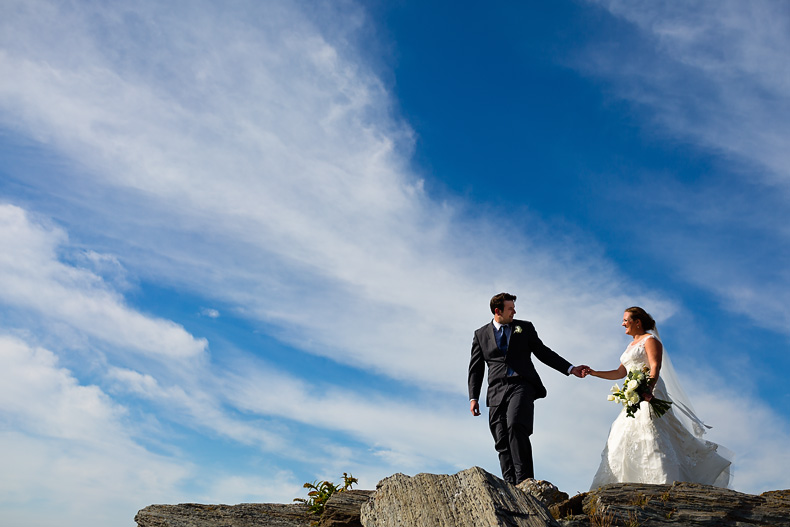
<point>506,346</point>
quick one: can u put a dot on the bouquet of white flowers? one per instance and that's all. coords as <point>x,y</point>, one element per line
<point>633,392</point>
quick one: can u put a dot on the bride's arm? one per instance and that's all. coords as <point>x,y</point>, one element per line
<point>655,351</point>
<point>619,373</point>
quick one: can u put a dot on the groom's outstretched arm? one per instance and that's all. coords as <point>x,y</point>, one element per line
<point>552,358</point>
<point>545,354</point>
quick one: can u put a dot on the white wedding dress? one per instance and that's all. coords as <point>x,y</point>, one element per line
<point>650,449</point>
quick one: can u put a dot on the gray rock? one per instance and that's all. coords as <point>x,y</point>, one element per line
<point>687,504</point>
<point>472,498</point>
<point>342,509</point>
<point>543,490</point>
<point>243,515</point>
<point>476,498</point>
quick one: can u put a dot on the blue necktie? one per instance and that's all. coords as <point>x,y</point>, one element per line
<point>503,347</point>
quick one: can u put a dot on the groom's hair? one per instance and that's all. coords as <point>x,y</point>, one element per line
<point>498,301</point>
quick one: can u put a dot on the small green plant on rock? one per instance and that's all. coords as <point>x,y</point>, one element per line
<point>321,491</point>
<point>640,500</point>
<point>602,517</point>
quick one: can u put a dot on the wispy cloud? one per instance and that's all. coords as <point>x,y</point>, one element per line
<point>209,312</point>
<point>32,278</point>
<point>259,178</point>
<point>246,156</point>
<point>65,443</point>
<point>713,75</point>
<point>717,74</point>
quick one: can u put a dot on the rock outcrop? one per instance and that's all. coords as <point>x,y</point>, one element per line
<point>472,498</point>
<point>546,492</point>
<point>244,515</point>
<point>687,504</point>
<point>476,498</point>
<point>343,508</point>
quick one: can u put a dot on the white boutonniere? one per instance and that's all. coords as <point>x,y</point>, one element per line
<point>517,329</point>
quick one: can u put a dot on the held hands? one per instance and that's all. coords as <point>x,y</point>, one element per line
<point>581,371</point>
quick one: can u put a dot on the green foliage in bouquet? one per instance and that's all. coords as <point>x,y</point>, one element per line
<point>633,392</point>
<point>321,491</point>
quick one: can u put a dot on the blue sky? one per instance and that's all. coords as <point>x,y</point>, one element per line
<point>246,244</point>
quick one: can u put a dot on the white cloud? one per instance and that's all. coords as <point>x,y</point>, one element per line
<point>249,160</point>
<point>105,265</point>
<point>66,444</point>
<point>33,386</point>
<point>194,401</point>
<point>713,75</point>
<point>387,423</point>
<point>755,433</point>
<point>720,77</point>
<point>258,178</point>
<point>32,278</point>
<point>209,312</point>
<point>281,487</point>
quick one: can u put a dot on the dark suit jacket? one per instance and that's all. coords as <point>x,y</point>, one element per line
<point>519,357</point>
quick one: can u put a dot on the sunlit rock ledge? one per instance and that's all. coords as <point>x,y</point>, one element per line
<point>476,498</point>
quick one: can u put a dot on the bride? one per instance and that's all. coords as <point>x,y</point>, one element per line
<point>650,449</point>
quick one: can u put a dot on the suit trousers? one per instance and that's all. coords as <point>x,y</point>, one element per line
<point>511,425</point>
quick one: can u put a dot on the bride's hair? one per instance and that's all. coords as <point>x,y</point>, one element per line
<point>643,316</point>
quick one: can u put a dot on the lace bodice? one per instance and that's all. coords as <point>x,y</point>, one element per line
<point>635,358</point>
